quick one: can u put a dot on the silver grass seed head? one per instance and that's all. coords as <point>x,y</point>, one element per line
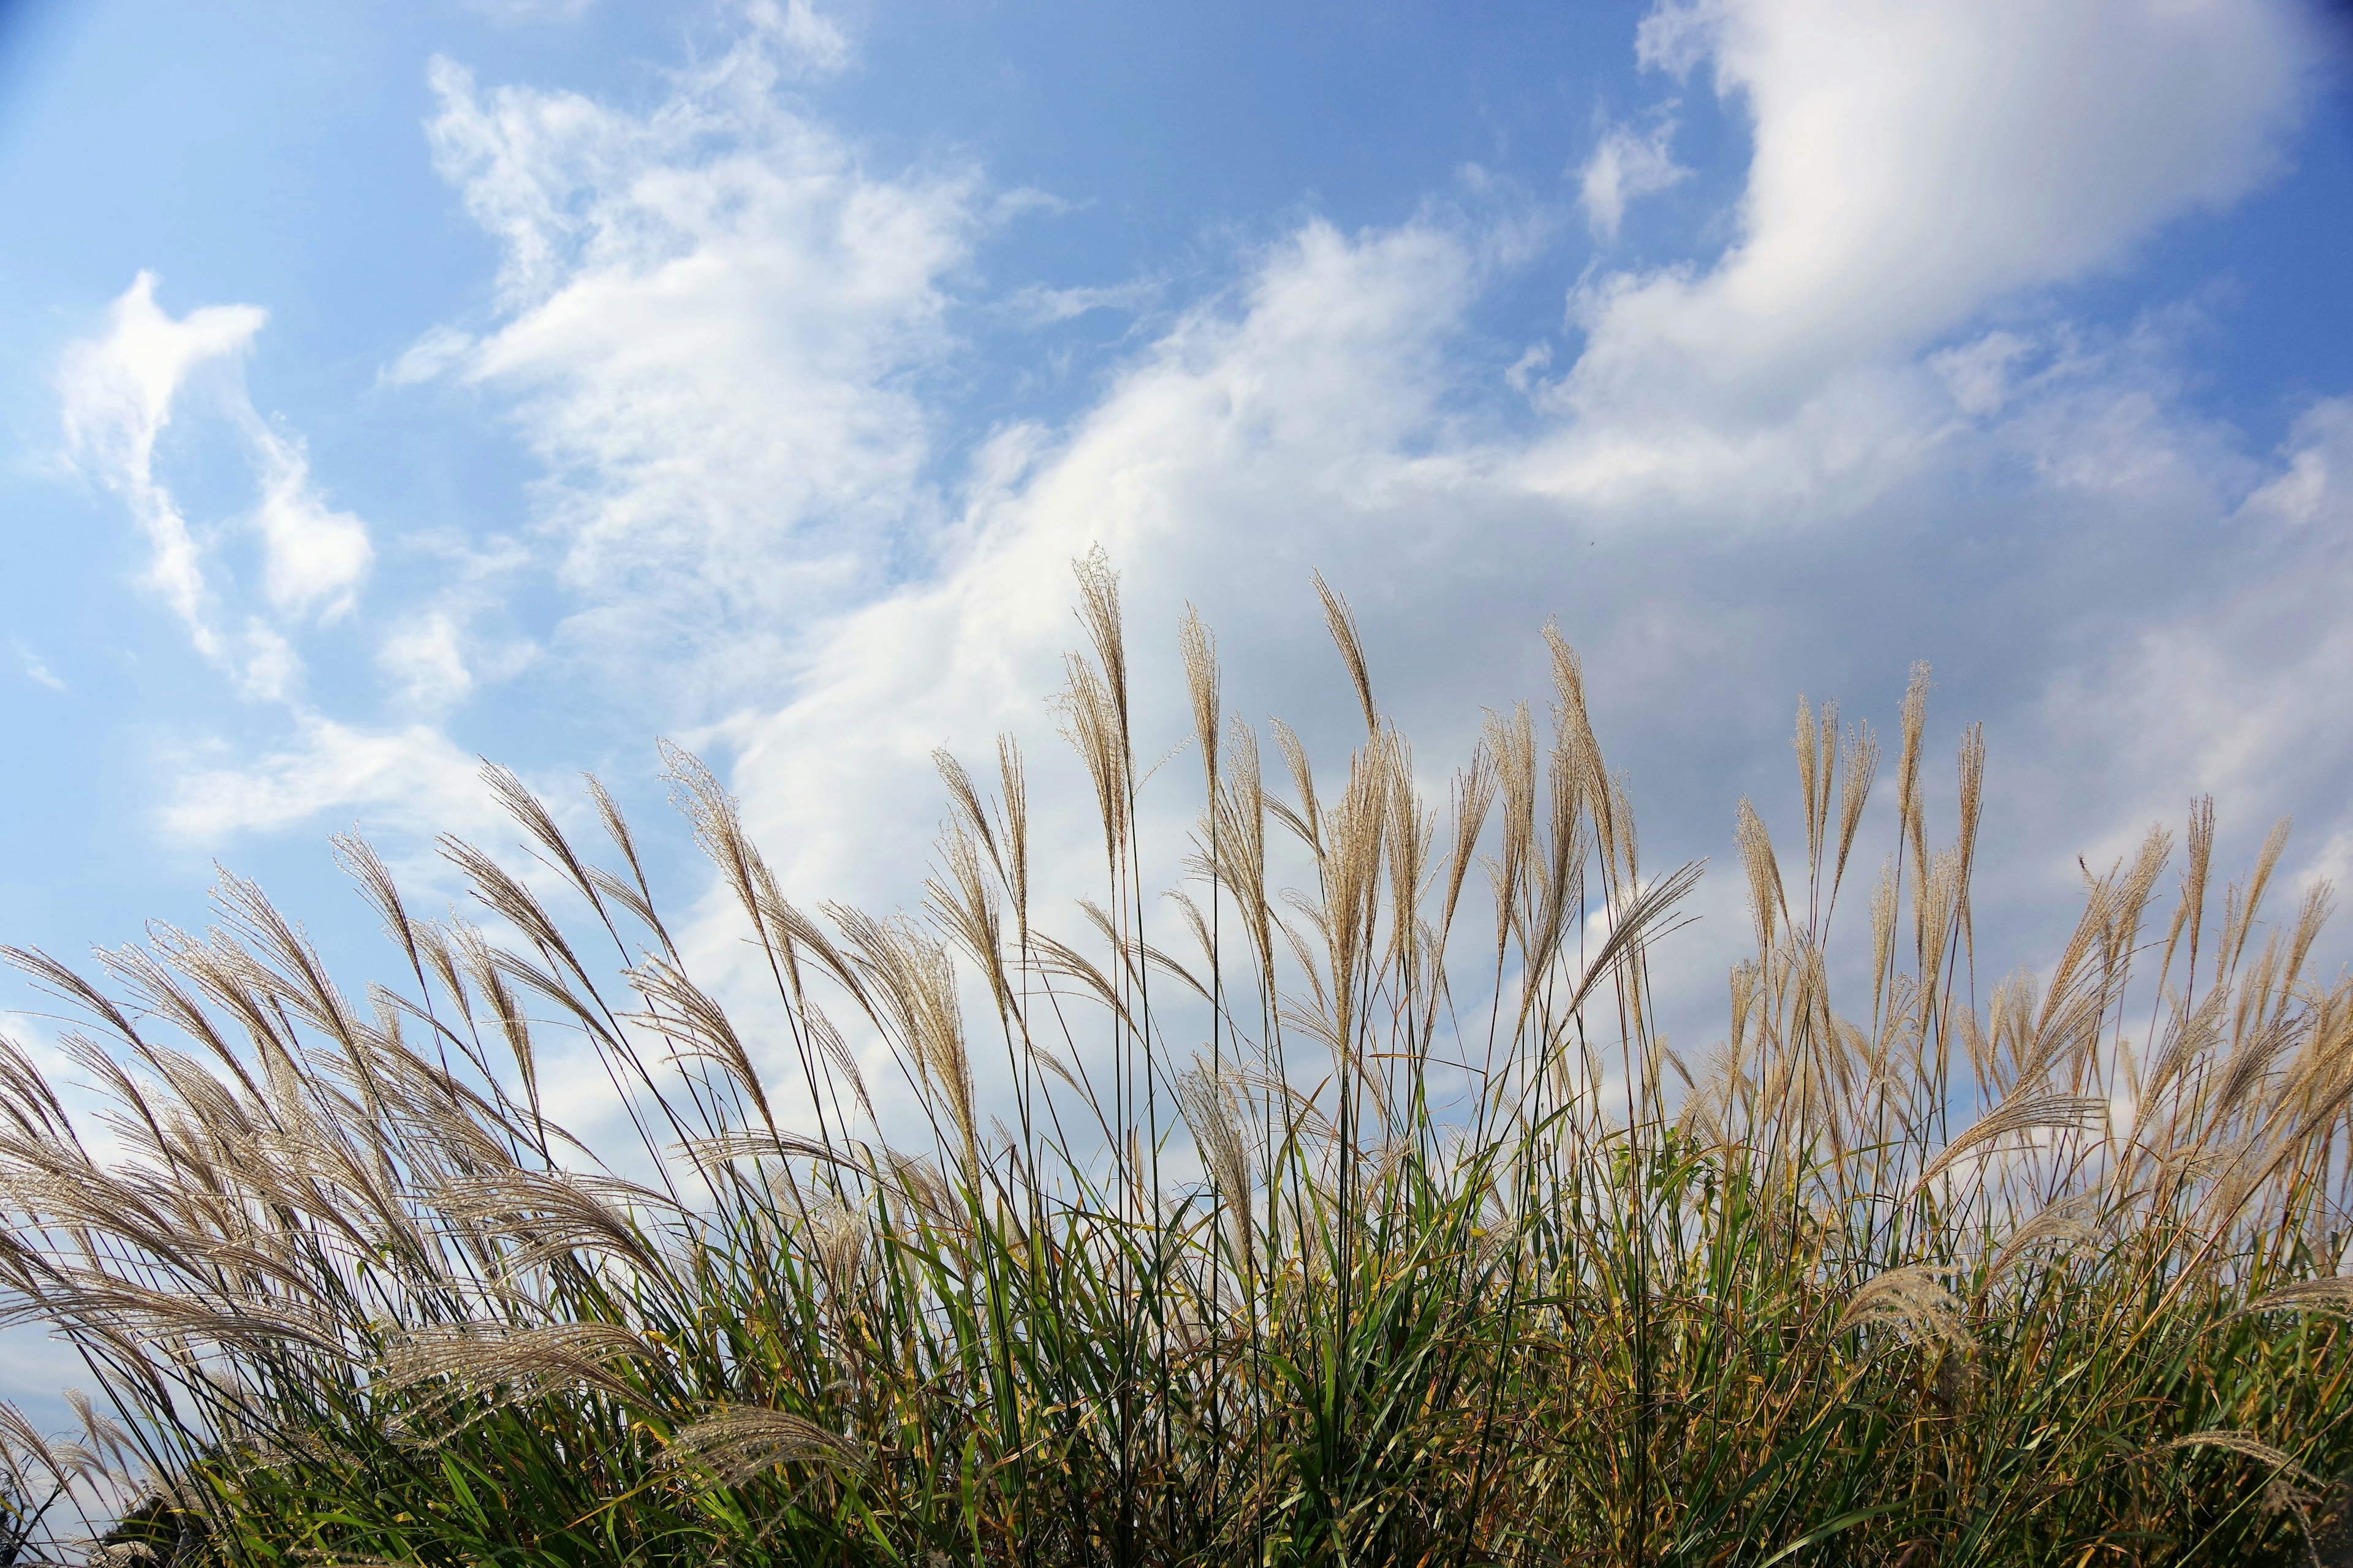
<point>736,1444</point>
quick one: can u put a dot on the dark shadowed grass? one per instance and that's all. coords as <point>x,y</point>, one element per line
<point>1344,1205</point>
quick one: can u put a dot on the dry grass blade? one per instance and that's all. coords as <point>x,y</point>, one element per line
<point>1884,908</point>
<point>1099,613</point>
<point>1307,821</point>
<point>1341,622</point>
<point>2330,1295</point>
<point>966,905</point>
<point>835,1053</point>
<point>965,795</point>
<point>717,820</point>
<point>1632,928</point>
<point>727,1147</point>
<point>531,813</point>
<point>1199,647</point>
<point>913,981</point>
<point>506,897</point>
<point>2243,1443</point>
<point>1096,730</point>
<point>1813,775</point>
<point>64,1463</point>
<point>2034,1113</point>
<point>1909,809</point>
<point>1014,796</point>
<point>1915,1302</point>
<point>1861,768</point>
<point>493,1365</point>
<point>360,861</point>
<point>1972,793</point>
<point>2234,938</point>
<point>2061,1223</point>
<point>1054,957</point>
<point>684,1011</point>
<point>1210,1105</point>
<point>1767,903</point>
<point>636,895</point>
<point>2189,912</point>
<point>255,1325</point>
<point>739,1443</point>
<point>551,1216</point>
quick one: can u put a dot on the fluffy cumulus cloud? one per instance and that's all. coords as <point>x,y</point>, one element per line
<point>1797,465</point>
<point>1912,163</point>
<point>1259,437</point>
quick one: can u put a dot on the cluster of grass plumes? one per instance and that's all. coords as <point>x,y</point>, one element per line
<point>1366,1219</point>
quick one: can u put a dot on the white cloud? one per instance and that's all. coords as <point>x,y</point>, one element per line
<point>314,558</point>
<point>805,37</point>
<point>2317,486</point>
<point>1796,466</point>
<point>1752,441</point>
<point>718,320</point>
<point>1627,164</point>
<point>37,669</point>
<point>514,12</point>
<point>266,666</point>
<point>441,349</point>
<point>705,309</point>
<point>1915,161</point>
<point>1522,375</point>
<point>1980,375</point>
<point>119,392</point>
<point>411,776</point>
<point>1037,306</point>
<point>1246,443</point>
<point>2232,689</point>
<point>424,657</point>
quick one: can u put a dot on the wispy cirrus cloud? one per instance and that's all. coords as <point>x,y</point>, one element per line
<point>409,778</point>
<point>1034,304</point>
<point>709,317</point>
<point>715,329</point>
<point>120,391</point>
<point>517,12</point>
<point>1627,163</point>
<point>37,669</point>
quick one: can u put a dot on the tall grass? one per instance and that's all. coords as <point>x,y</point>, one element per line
<point>1343,1206</point>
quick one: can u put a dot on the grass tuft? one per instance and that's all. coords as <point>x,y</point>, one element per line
<point>1337,1219</point>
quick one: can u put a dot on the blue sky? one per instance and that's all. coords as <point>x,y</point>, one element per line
<point>1236,289</point>
<point>384,385</point>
